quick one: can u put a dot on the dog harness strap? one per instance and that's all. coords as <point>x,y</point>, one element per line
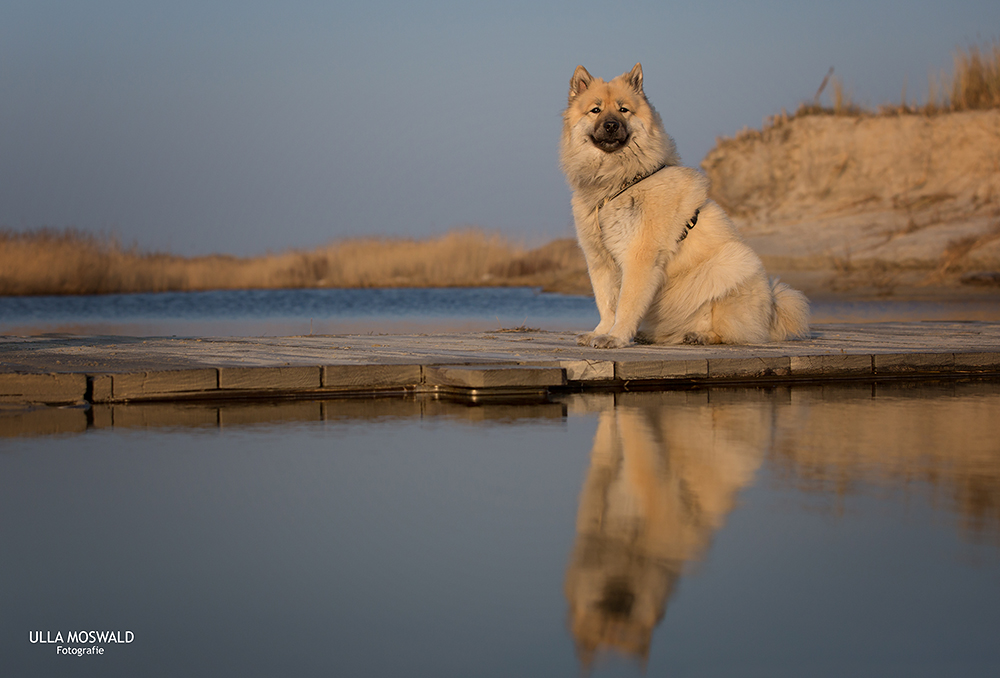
<point>689,225</point>
<point>629,184</point>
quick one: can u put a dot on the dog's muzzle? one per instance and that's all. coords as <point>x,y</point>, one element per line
<point>610,134</point>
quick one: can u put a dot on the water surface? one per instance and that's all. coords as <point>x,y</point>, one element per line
<point>822,531</point>
<point>295,312</point>
<point>361,311</point>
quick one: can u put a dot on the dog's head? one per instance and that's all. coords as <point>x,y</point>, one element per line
<point>610,131</point>
<point>607,107</point>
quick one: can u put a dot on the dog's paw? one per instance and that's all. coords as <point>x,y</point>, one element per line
<point>584,339</point>
<point>644,338</point>
<point>607,341</point>
<point>695,338</point>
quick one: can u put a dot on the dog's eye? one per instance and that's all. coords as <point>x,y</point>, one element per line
<point>623,110</point>
<point>595,109</point>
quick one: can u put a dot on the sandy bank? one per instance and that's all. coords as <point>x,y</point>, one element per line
<point>904,205</point>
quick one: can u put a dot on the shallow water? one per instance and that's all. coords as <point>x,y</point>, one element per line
<point>295,312</point>
<point>821,531</point>
<point>362,311</point>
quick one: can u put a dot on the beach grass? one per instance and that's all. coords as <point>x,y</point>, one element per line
<point>972,84</point>
<point>69,261</point>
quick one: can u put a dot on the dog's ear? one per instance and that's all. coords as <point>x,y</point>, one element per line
<point>579,82</point>
<point>634,78</point>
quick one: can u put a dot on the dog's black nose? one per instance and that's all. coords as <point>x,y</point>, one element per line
<point>610,126</point>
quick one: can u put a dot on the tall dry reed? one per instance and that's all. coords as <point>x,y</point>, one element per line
<point>73,262</point>
<point>974,83</point>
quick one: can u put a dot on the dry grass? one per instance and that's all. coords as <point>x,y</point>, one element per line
<point>72,262</point>
<point>973,84</point>
<point>976,79</point>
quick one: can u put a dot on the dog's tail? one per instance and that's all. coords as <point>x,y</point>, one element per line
<point>791,312</point>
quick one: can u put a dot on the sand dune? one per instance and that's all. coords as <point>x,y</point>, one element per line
<point>867,203</point>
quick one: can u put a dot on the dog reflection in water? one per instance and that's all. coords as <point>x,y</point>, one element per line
<point>664,473</point>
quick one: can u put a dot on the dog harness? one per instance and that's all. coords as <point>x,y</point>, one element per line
<point>629,184</point>
<point>690,224</point>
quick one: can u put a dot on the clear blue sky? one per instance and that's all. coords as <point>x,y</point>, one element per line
<point>242,127</point>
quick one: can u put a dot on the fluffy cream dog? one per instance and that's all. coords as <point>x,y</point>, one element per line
<point>666,263</point>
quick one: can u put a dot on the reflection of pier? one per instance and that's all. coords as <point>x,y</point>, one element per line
<point>29,421</point>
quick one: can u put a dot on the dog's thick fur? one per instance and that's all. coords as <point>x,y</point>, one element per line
<point>652,282</point>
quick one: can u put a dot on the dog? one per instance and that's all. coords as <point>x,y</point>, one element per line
<point>666,263</point>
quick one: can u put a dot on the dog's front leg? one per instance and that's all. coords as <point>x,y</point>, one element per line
<point>604,279</point>
<point>642,276</point>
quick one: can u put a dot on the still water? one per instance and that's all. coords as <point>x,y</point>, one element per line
<point>354,311</point>
<point>849,530</point>
<point>296,312</point>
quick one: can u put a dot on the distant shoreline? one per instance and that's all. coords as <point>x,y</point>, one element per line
<point>70,262</point>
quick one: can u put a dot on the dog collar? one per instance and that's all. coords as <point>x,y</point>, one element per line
<point>629,184</point>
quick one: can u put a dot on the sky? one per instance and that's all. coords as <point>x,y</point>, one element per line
<point>250,127</point>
